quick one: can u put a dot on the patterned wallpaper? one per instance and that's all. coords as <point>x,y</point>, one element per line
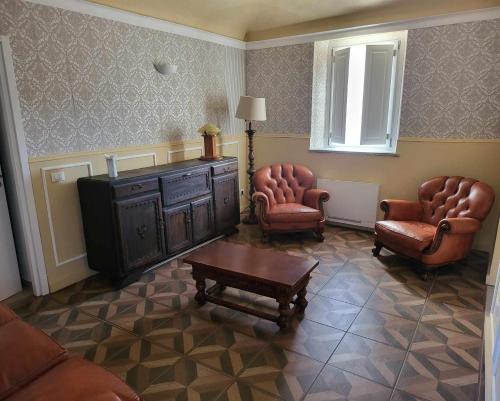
<point>451,83</point>
<point>283,75</point>
<point>87,83</point>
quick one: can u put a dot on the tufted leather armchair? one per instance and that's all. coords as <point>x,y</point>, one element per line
<point>287,200</point>
<point>439,228</point>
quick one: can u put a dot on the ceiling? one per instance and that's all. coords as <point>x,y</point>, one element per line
<point>265,19</point>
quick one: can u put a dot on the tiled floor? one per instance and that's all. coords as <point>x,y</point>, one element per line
<point>373,330</point>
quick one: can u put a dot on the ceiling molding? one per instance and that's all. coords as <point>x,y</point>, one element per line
<point>425,22</point>
<point>114,14</point>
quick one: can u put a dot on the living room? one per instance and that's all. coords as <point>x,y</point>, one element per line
<point>331,167</point>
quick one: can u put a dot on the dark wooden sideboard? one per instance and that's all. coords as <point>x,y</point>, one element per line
<point>147,215</point>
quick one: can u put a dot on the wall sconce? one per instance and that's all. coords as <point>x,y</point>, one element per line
<point>165,69</point>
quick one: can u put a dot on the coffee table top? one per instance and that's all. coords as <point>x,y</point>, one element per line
<point>264,265</point>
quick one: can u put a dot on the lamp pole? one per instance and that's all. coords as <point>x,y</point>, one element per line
<point>251,217</point>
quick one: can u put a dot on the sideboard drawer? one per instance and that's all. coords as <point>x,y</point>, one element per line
<point>134,188</point>
<point>224,168</point>
<point>179,187</point>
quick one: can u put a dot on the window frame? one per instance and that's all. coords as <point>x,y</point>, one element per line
<point>398,39</point>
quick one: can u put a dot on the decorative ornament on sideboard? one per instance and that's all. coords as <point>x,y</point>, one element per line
<point>210,133</point>
<point>111,164</point>
<point>251,109</point>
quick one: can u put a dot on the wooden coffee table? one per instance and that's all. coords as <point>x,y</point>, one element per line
<point>266,272</point>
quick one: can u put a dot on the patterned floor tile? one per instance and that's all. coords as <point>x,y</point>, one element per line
<point>176,269</point>
<point>435,380</point>
<point>227,350</point>
<point>405,280</point>
<point>388,329</point>
<point>317,282</point>
<point>396,303</point>
<point>135,360</point>
<point>252,326</point>
<point>243,392</point>
<point>107,305</point>
<point>187,380</point>
<point>283,373</point>
<point>142,316</point>
<point>351,287</point>
<point>399,395</point>
<point>466,321</point>
<point>460,293</point>
<point>310,338</point>
<point>83,290</point>
<point>180,332</point>
<point>333,313</point>
<point>448,346</point>
<point>337,385</point>
<point>173,293</point>
<point>369,359</point>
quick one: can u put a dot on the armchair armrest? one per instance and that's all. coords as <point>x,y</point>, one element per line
<point>260,198</point>
<point>315,197</point>
<point>401,210</point>
<point>459,225</point>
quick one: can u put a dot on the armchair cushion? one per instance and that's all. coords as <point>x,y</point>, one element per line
<point>413,235</point>
<point>292,212</point>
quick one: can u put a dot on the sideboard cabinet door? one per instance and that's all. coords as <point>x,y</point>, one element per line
<point>178,228</point>
<point>227,206</point>
<point>140,232</point>
<point>203,219</point>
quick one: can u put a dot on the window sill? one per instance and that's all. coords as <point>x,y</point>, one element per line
<point>356,152</point>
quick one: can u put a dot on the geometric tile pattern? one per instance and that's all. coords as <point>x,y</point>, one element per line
<point>435,380</point>
<point>369,359</point>
<point>407,340</point>
<point>448,346</point>
<point>385,328</point>
<point>282,373</point>
<point>336,384</point>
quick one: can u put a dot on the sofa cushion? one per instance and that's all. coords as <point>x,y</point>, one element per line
<point>76,380</point>
<point>409,234</point>
<point>26,353</point>
<point>292,212</point>
<point>6,314</point>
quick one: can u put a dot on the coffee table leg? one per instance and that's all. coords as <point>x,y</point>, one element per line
<point>301,303</point>
<point>285,314</point>
<point>201,295</point>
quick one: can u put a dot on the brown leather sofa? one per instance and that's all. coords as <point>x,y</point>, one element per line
<point>287,200</point>
<point>33,367</point>
<point>439,228</point>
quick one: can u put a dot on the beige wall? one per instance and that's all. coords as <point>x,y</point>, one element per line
<point>57,204</point>
<point>398,176</point>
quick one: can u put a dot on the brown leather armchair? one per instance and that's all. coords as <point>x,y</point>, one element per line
<point>287,201</point>
<point>439,228</point>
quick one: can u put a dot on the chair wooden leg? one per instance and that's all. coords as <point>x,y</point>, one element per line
<point>319,236</point>
<point>377,248</point>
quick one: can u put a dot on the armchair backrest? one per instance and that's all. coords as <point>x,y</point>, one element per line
<point>443,197</point>
<point>284,183</point>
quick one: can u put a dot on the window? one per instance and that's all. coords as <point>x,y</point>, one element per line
<point>362,85</point>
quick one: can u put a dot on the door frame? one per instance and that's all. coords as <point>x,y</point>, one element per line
<point>28,241</point>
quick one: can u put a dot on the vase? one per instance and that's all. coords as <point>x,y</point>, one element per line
<point>210,148</point>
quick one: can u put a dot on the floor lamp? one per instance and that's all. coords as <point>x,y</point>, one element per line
<point>251,109</point>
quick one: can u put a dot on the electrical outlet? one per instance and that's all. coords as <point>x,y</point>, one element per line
<point>58,176</point>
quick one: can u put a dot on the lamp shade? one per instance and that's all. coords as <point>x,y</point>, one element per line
<point>251,108</point>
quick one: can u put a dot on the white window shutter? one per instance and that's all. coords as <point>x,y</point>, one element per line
<point>377,93</point>
<point>338,103</point>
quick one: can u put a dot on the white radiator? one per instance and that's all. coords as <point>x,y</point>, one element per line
<point>351,203</point>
